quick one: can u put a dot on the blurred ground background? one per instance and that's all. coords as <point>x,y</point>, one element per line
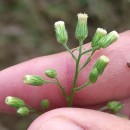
<point>26,31</point>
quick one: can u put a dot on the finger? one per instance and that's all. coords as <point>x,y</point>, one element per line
<point>79,119</point>
<point>114,84</point>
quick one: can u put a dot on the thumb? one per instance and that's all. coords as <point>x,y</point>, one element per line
<point>79,119</point>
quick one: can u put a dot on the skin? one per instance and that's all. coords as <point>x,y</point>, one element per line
<point>114,84</point>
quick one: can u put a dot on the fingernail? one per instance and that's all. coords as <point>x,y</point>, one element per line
<point>60,123</point>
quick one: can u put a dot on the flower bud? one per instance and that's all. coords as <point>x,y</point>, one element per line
<point>97,36</point>
<point>61,33</point>
<point>108,39</point>
<point>23,111</point>
<point>33,80</point>
<point>81,29</point>
<point>51,73</point>
<point>14,102</point>
<point>45,104</point>
<point>114,106</point>
<point>93,76</point>
<point>101,64</point>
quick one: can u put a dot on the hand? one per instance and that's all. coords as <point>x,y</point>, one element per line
<point>113,84</point>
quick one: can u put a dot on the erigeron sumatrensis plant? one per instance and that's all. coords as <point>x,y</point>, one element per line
<point>101,39</point>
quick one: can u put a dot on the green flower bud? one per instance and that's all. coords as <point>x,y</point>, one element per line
<point>14,102</point>
<point>61,33</point>
<point>108,39</point>
<point>101,64</point>
<point>81,29</point>
<point>97,36</point>
<point>93,76</point>
<point>33,80</point>
<point>23,111</point>
<point>51,73</point>
<point>114,106</point>
<point>45,104</point>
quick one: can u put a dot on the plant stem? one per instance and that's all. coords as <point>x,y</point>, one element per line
<point>81,87</point>
<point>75,75</point>
<point>122,115</point>
<point>67,48</point>
<point>36,111</point>
<point>87,61</point>
<point>103,108</point>
<point>92,49</point>
<point>49,82</point>
<point>59,85</point>
<point>87,51</point>
<point>32,110</point>
<point>61,88</point>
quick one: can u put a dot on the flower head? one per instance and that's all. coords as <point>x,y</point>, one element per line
<point>114,106</point>
<point>33,80</point>
<point>14,102</point>
<point>108,39</point>
<point>81,29</point>
<point>45,104</point>
<point>51,73</point>
<point>93,76</point>
<point>23,111</point>
<point>101,64</point>
<point>61,33</point>
<point>100,32</point>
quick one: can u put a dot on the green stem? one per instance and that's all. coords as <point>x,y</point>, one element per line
<point>35,111</point>
<point>122,115</point>
<point>59,85</point>
<point>87,51</point>
<point>83,86</point>
<point>32,110</point>
<point>67,48</point>
<point>61,88</point>
<point>92,49</point>
<point>87,61</point>
<point>49,81</point>
<point>103,108</point>
<point>75,76</point>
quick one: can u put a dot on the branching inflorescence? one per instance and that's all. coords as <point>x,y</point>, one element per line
<point>101,39</point>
